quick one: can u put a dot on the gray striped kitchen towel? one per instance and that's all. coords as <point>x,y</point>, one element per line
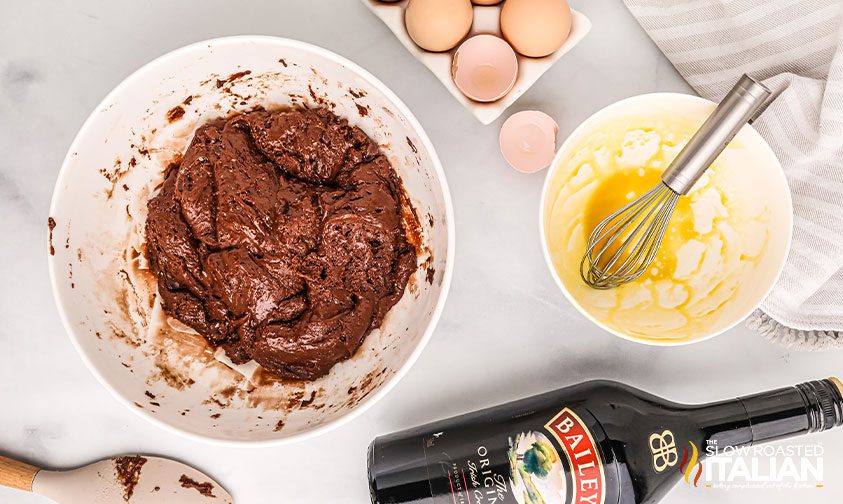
<point>796,47</point>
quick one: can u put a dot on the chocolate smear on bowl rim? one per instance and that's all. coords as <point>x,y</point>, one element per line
<point>175,113</point>
<point>51,225</point>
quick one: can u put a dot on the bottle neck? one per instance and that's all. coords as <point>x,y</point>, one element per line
<point>808,407</point>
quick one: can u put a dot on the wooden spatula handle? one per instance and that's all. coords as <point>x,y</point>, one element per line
<point>16,474</point>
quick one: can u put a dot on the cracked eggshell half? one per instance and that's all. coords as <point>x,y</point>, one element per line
<point>528,140</point>
<point>485,68</point>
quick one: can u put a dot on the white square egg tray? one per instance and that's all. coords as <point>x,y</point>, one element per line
<point>486,20</point>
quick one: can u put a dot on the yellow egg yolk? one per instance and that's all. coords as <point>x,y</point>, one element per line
<point>622,188</point>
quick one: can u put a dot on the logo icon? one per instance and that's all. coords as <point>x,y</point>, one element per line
<point>687,466</point>
<point>663,448</point>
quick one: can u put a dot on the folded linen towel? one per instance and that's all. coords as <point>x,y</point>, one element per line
<point>796,48</point>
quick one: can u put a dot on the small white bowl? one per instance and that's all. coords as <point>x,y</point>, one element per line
<point>767,181</point>
<point>105,296</point>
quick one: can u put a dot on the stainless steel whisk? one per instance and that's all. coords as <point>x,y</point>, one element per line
<point>625,244</point>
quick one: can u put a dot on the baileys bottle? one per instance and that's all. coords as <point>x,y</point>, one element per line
<point>599,442</point>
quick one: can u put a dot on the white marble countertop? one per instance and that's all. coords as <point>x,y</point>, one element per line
<point>59,58</point>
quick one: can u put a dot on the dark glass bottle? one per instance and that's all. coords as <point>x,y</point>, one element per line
<point>599,442</point>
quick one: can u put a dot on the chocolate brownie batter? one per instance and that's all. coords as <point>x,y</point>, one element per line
<point>280,239</point>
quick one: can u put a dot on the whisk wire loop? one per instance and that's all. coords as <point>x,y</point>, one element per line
<point>635,247</point>
<point>611,225</point>
<point>630,237</point>
<point>648,245</point>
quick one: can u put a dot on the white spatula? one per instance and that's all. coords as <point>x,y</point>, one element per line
<point>134,479</point>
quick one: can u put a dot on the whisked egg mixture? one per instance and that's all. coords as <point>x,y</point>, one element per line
<point>717,235</point>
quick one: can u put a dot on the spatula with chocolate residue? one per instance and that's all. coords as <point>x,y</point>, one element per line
<point>134,479</point>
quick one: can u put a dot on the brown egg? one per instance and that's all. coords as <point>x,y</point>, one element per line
<point>536,28</point>
<point>438,25</point>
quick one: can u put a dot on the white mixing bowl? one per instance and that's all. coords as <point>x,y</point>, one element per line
<point>758,181</point>
<point>106,297</point>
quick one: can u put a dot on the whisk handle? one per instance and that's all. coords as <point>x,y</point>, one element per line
<point>740,106</point>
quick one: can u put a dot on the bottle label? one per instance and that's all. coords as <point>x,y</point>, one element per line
<point>515,461</point>
<point>584,462</point>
